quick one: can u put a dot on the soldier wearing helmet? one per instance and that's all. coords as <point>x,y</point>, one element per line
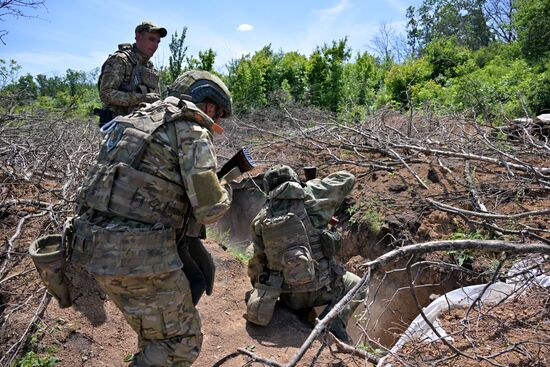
<point>295,243</point>
<point>128,76</point>
<point>141,212</point>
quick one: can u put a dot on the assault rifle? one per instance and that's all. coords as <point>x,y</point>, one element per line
<point>240,163</point>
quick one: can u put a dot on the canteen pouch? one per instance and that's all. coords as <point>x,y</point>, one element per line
<point>49,257</point>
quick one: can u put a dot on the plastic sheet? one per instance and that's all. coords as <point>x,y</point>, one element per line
<point>522,275</point>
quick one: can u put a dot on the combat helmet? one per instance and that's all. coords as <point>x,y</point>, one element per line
<point>199,85</point>
<point>277,175</point>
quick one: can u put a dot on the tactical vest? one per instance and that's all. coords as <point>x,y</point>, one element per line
<point>144,79</point>
<point>115,186</point>
<point>293,248</point>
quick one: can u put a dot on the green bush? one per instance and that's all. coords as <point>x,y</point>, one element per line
<point>401,79</point>
<point>31,359</point>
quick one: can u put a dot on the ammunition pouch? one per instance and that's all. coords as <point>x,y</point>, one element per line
<point>122,250</point>
<point>49,257</point>
<point>331,242</point>
<point>262,300</point>
<point>121,190</point>
<point>105,115</point>
<point>150,79</point>
<point>144,80</point>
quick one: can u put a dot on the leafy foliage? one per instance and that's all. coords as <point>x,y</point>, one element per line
<point>533,28</point>
<point>31,359</point>
<point>486,58</point>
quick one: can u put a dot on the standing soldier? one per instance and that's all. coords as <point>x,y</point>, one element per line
<point>128,77</point>
<point>295,243</point>
<point>141,208</point>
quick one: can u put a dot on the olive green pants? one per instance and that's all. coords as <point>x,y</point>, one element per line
<point>324,296</point>
<point>159,309</point>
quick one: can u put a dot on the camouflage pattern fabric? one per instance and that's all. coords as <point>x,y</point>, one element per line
<point>324,296</point>
<point>142,276</point>
<point>321,198</point>
<point>117,90</point>
<point>160,311</point>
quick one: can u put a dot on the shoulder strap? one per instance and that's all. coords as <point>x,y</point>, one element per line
<point>122,50</point>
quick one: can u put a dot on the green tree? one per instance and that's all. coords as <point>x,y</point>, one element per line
<point>463,19</point>
<point>325,73</point>
<point>446,56</point>
<point>533,25</point>
<point>204,62</point>
<point>400,80</point>
<point>177,56</point>
<point>292,75</point>
<point>362,79</point>
<point>9,70</point>
<point>252,79</point>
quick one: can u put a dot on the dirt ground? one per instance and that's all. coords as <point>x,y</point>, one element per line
<point>94,333</point>
<point>388,208</point>
<point>521,328</point>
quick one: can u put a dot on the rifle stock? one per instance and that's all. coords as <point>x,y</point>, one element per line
<point>242,160</point>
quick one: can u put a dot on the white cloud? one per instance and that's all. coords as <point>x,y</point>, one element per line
<point>340,7</point>
<point>245,27</point>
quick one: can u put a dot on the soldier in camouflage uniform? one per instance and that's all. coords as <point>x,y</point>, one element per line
<point>141,209</point>
<point>295,245</point>
<point>128,76</point>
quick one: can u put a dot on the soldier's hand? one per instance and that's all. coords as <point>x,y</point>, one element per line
<point>151,97</point>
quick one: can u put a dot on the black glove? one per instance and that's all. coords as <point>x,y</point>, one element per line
<point>198,267</point>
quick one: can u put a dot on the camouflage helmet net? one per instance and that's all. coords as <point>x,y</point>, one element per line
<point>200,84</point>
<point>278,175</point>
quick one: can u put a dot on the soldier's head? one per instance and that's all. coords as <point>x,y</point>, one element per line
<point>206,90</point>
<point>277,175</point>
<point>148,37</point>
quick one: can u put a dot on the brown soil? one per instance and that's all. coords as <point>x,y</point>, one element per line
<point>515,334</point>
<point>386,209</point>
<point>94,333</point>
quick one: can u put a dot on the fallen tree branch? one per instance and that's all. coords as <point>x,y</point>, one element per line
<point>483,245</point>
<point>488,215</point>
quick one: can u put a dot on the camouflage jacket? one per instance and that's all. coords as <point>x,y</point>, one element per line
<point>118,82</point>
<point>155,172</point>
<point>321,198</point>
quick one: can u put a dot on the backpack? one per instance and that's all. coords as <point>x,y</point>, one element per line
<point>287,248</point>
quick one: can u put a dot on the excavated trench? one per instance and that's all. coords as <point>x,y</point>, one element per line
<point>390,305</point>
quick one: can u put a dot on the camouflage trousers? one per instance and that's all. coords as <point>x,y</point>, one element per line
<point>159,309</point>
<point>326,295</point>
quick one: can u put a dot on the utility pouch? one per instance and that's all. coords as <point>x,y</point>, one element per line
<point>49,256</point>
<point>331,242</point>
<point>261,304</point>
<point>150,78</point>
<point>280,234</point>
<point>123,250</point>
<point>298,266</point>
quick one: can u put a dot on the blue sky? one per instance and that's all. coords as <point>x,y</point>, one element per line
<point>79,34</point>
